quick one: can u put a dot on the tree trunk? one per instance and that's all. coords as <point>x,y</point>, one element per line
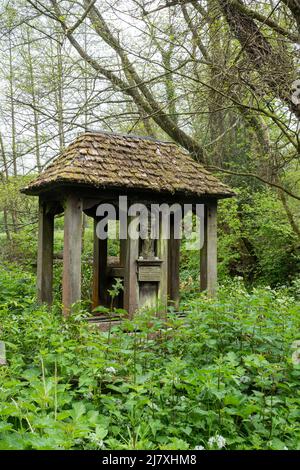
<point>12,109</point>
<point>34,105</point>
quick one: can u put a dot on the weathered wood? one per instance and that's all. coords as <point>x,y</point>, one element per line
<point>123,244</point>
<point>100,270</point>
<point>45,254</point>
<point>131,288</point>
<point>54,207</point>
<point>149,267</point>
<point>149,273</point>
<point>208,253</point>
<point>173,267</point>
<point>113,261</point>
<point>100,278</point>
<point>108,195</point>
<point>72,252</point>
<point>148,295</point>
<point>115,271</point>
<point>203,253</point>
<point>103,249</point>
<point>89,203</point>
<point>162,253</point>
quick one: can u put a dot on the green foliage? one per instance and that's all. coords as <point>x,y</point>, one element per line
<point>275,244</point>
<point>229,238</point>
<point>16,285</point>
<point>21,222</point>
<point>225,371</point>
<point>255,241</point>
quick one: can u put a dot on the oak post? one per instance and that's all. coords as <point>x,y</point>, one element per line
<point>162,252</point>
<point>208,254</point>
<point>131,287</point>
<point>99,270</point>
<point>173,265</point>
<point>123,244</point>
<point>72,252</point>
<point>45,254</point>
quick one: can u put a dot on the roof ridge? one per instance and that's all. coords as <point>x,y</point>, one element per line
<point>127,136</point>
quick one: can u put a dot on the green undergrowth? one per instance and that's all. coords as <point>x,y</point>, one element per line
<point>228,369</point>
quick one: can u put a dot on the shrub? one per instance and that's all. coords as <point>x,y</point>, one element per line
<point>222,375</point>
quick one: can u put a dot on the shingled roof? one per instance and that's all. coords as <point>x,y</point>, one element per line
<point>115,161</point>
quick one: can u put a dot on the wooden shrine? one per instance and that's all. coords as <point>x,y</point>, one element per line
<point>98,168</point>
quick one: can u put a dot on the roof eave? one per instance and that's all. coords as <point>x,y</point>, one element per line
<point>61,184</point>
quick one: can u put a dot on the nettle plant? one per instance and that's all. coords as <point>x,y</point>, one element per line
<point>222,377</point>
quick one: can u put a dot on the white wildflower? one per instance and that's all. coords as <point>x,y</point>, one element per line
<point>244,379</point>
<point>78,441</point>
<point>199,448</point>
<point>153,406</point>
<point>296,353</point>
<point>95,440</point>
<point>296,357</point>
<point>217,440</point>
<point>110,370</point>
<point>221,441</point>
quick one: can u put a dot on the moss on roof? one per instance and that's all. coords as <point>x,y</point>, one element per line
<point>103,160</point>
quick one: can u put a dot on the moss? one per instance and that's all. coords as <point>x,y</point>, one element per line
<point>126,162</point>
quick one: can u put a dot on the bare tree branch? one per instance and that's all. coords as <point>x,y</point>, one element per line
<point>253,175</point>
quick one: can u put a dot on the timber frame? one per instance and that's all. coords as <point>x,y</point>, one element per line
<point>99,167</point>
<point>152,283</point>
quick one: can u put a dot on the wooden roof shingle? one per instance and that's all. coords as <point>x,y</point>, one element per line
<point>115,161</point>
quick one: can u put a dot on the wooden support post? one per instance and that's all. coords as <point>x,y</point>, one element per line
<point>99,270</point>
<point>162,252</point>
<point>173,266</point>
<point>45,254</point>
<point>72,252</point>
<point>208,254</point>
<point>131,287</point>
<point>123,244</point>
<point>203,254</point>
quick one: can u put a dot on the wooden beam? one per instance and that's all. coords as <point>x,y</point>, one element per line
<point>162,253</point>
<point>123,244</point>
<point>99,270</point>
<point>115,271</point>
<point>203,253</point>
<point>72,252</point>
<point>131,287</point>
<point>208,253</point>
<point>45,254</point>
<point>173,266</point>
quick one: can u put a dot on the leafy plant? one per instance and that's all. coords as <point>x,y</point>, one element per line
<point>220,377</point>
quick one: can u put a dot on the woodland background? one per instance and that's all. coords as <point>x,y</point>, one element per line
<point>221,79</point>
